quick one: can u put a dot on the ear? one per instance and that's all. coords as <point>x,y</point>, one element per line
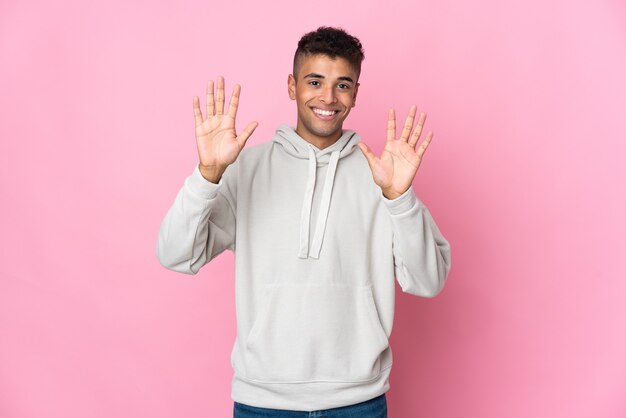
<point>291,86</point>
<point>356,90</point>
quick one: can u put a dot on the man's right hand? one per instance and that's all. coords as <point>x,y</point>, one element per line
<point>218,143</point>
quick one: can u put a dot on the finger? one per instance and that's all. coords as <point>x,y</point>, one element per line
<point>219,96</point>
<point>391,125</point>
<point>234,101</point>
<point>197,114</point>
<point>243,137</point>
<point>422,148</point>
<point>210,100</point>
<point>418,129</point>
<point>369,155</point>
<point>408,124</point>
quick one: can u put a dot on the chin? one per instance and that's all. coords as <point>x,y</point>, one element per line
<point>325,134</point>
<point>329,130</point>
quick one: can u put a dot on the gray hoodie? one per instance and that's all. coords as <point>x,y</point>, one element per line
<point>317,247</point>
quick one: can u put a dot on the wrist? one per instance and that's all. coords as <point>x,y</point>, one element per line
<point>390,194</point>
<point>212,173</point>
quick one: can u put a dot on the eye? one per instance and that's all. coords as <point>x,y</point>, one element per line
<point>343,86</point>
<point>314,83</point>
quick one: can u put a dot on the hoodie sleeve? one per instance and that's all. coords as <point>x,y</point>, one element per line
<point>199,225</point>
<point>421,253</point>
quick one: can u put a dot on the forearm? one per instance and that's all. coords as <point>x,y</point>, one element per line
<point>421,253</point>
<point>198,226</point>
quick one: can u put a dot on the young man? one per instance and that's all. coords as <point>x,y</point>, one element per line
<point>319,230</point>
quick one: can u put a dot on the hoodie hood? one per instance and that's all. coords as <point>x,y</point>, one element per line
<point>297,147</point>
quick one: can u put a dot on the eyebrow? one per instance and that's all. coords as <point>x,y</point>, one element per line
<point>315,75</point>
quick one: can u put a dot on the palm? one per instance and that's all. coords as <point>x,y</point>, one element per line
<point>396,167</point>
<point>216,137</point>
<point>217,141</point>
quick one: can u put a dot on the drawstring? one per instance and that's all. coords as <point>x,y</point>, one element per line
<point>324,205</point>
<point>305,220</point>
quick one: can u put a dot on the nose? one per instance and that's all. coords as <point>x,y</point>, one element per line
<point>327,95</point>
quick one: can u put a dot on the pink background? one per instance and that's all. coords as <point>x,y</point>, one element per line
<point>523,177</point>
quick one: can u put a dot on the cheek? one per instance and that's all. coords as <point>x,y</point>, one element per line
<point>305,96</point>
<point>349,103</point>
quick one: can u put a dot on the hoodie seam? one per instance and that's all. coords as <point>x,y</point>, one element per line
<point>382,369</point>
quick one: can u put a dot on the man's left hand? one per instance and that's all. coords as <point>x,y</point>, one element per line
<point>395,169</point>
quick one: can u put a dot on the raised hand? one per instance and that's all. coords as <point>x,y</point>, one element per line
<point>395,169</point>
<point>218,142</point>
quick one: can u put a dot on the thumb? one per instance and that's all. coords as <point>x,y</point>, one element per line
<point>369,155</point>
<point>249,129</point>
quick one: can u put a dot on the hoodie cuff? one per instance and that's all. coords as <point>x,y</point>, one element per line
<point>403,203</point>
<point>200,186</point>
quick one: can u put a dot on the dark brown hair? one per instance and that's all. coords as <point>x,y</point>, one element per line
<point>332,42</point>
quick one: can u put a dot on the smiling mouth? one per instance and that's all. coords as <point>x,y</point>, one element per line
<point>325,114</point>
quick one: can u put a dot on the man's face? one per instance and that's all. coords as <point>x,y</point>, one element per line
<point>325,92</point>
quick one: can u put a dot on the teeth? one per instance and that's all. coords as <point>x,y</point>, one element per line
<point>325,112</point>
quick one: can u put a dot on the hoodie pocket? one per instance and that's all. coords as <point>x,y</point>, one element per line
<point>327,332</point>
